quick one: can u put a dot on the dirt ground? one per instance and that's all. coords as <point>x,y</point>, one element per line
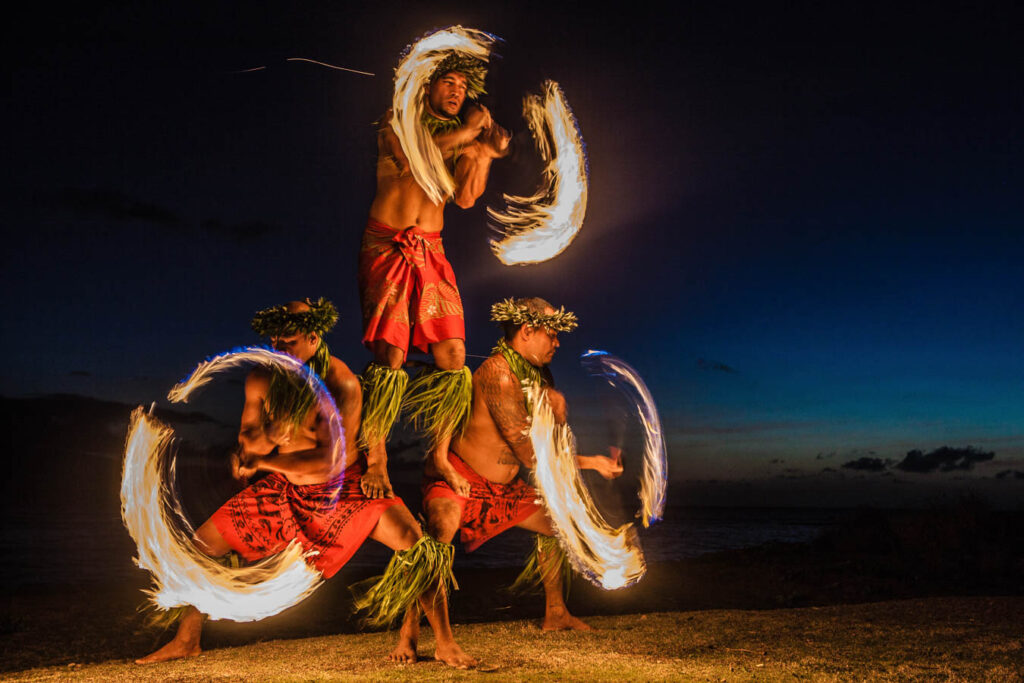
<point>969,639</point>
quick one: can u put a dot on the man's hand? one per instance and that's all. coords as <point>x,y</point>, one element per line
<point>458,482</point>
<point>494,141</point>
<point>243,466</point>
<point>609,468</point>
<point>375,482</point>
<point>278,432</point>
<point>478,118</point>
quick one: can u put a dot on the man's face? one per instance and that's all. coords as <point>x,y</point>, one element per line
<point>549,343</point>
<point>542,343</point>
<point>447,94</point>
<point>301,346</point>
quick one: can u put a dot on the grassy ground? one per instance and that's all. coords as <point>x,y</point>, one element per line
<point>970,639</point>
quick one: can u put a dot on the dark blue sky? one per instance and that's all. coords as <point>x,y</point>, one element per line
<point>804,226</point>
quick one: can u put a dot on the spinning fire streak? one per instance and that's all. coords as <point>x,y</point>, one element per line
<point>609,557</point>
<point>541,226</point>
<point>182,575</point>
<point>621,376</point>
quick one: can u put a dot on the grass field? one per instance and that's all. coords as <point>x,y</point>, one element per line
<point>969,639</point>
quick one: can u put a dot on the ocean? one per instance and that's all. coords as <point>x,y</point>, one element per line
<point>91,547</point>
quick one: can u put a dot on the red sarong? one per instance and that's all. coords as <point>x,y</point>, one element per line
<point>490,509</point>
<point>266,516</point>
<point>406,284</point>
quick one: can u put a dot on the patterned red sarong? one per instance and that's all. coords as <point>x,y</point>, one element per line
<point>266,516</point>
<point>406,283</point>
<point>490,509</point>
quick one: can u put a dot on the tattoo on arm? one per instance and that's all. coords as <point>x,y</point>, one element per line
<point>505,402</point>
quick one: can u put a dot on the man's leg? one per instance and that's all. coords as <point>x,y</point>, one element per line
<point>383,384</point>
<point>398,530</point>
<point>186,640</point>
<point>449,357</point>
<point>556,614</point>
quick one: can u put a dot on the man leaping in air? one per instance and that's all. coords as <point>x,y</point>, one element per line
<point>495,445</point>
<point>406,284</point>
<point>283,433</point>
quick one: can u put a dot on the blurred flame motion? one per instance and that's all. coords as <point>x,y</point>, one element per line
<point>609,557</point>
<point>182,574</point>
<point>541,226</point>
<point>621,376</point>
<point>411,76</point>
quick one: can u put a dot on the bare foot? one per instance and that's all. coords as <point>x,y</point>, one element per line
<point>404,653</point>
<point>559,619</point>
<point>408,635</point>
<point>452,655</point>
<point>176,649</point>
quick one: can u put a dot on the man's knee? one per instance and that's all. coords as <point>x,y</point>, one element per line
<point>210,541</point>
<point>449,354</point>
<point>397,528</point>
<point>387,354</point>
<point>443,516</point>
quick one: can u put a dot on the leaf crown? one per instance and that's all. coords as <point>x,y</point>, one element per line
<point>519,314</point>
<point>278,321</point>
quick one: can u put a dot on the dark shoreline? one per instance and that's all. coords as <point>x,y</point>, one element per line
<point>879,556</point>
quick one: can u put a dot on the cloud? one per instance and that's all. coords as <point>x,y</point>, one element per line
<point>866,464</point>
<point>113,205</point>
<point>1010,474</point>
<point>714,365</point>
<point>943,459</point>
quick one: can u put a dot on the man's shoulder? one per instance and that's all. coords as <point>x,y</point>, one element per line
<point>340,376</point>
<point>493,370</point>
<point>258,379</point>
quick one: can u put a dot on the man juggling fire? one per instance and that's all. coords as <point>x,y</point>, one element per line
<point>315,494</point>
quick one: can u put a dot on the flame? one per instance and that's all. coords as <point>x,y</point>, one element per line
<point>621,376</point>
<point>541,226</point>
<point>609,557</point>
<point>182,574</point>
<point>411,76</point>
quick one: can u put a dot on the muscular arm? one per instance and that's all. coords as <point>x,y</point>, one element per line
<point>474,165</point>
<point>389,144</point>
<point>504,399</point>
<point>478,120</point>
<point>253,436</point>
<point>259,440</point>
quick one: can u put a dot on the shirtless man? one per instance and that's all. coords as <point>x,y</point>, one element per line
<point>496,444</point>
<point>282,433</point>
<point>406,284</point>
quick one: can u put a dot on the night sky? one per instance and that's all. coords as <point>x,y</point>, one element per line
<point>804,227</point>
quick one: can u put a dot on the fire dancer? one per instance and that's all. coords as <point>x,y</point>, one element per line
<point>406,284</point>
<point>496,444</point>
<point>330,504</point>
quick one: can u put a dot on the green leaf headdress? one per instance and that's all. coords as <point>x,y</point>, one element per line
<point>277,321</point>
<point>518,313</point>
